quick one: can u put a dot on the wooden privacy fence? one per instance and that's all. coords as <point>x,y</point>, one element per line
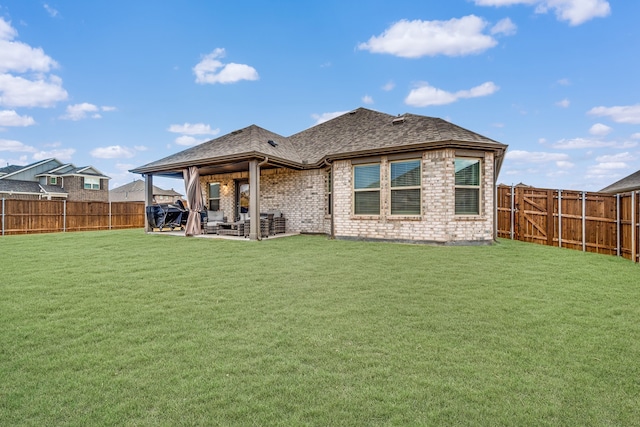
<point>49,216</point>
<point>591,222</point>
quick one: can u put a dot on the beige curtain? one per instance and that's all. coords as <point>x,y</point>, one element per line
<point>194,199</point>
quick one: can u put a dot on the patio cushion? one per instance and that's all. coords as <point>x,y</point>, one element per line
<point>215,216</point>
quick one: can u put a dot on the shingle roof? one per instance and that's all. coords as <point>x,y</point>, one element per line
<point>358,132</point>
<point>31,187</point>
<point>137,186</point>
<point>628,183</point>
<point>10,169</point>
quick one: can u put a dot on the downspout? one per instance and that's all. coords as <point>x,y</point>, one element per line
<point>332,233</point>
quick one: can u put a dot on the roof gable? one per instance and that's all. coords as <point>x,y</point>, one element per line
<point>628,183</point>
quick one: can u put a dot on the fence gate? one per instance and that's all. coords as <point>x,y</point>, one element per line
<point>534,219</point>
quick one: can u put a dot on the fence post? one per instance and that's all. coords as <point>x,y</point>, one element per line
<point>109,214</point>
<point>633,226</point>
<point>559,218</point>
<point>618,240</point>
<point>513,211</point>
<point>3,216</point>
<point>64,216</point>
<point>584,221</point>
<point>550,224</point>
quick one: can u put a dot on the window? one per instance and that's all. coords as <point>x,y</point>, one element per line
<point>54,180</point>
<point>214,196</point>
<point>467,186</point>
<point>91,183</point>
<point>329,194</point>
<point>405,188</point>
<point>366,188</point>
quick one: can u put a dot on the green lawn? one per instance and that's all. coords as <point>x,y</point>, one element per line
<point>123,328</point>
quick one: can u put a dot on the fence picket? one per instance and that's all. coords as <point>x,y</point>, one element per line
<point>47,216</point>
<point>587,221</point>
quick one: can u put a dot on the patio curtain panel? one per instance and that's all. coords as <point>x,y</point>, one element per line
<point>194,199</point>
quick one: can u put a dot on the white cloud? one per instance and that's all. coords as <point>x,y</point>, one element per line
<point>580,143</point>
<point>113,152</point>
<point>60,154</point>
<point>426,95</point>
<point>600,130</point>
<point>51,11</point>
<point>189,140</point>
<point>635,135</point>
<point>20,57</point>
<point>606,170</point>
<point>193,129</point>
<point>321,118</point>
<point>20,92</point>
<point>367,99</point>
<point>504,26</point>
<point>16,146</point>
<point>389,86</point>
<point>11,118</point>
<point>211,70</point>
<point>616,158</point>
<point>521,156</point>
<point>414,39</point>
<point>82,111</point>
<point>619,114</point>
<point>576,12</point>
<point>564,82</point>
<point>564,103</point>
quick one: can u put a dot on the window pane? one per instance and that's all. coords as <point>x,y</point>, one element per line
<point>367,203</point>
<point>367,176</point>
<point>405,174</point>
<point>214,205</point>
<point>405,202</point>
<point>467,172</point>
<point>467,201</point>
<point>214,191</point>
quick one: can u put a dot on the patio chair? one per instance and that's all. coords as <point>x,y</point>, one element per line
<point>214,219</point>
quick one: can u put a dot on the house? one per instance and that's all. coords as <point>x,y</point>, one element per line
<point>51,179</point>
<point>628,183</point>
<point>362,175</point>
<point>134,192</point>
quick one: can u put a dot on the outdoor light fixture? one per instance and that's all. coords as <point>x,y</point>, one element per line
<point>272,143</point>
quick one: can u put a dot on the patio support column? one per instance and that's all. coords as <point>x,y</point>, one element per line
<point>148,199</point>
<point>254,200</point>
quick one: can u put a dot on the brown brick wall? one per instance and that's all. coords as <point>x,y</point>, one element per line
<point>75,187</point>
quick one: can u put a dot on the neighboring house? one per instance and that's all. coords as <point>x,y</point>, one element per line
<point>51,179</point>
<point>362,175</point>
<point>134,192</point>
<point>628,183</point>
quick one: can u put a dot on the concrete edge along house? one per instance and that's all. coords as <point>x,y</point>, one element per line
<point>364,175</point>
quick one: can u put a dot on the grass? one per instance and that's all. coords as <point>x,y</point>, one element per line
<point>123,328</point>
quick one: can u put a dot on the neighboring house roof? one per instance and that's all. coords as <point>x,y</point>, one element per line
<point>628,183</point>
<point>134,191</point>
<point>47,167</point>
<point>358,133</point>
<point>13,186</point>
<point>9,169</point>
<point>71,170</point>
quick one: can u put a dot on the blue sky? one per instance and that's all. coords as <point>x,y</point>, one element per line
<point>117,84</point>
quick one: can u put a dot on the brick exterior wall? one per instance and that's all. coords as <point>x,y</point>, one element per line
<point>299,195</point>
<point>77,193</point>
<point>302,195</point>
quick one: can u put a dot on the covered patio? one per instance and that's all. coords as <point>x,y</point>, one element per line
<point>227,184</point>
